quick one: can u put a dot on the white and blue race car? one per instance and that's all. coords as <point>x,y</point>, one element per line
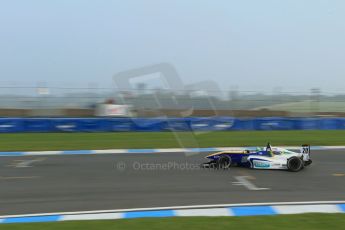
<point>261,158</point>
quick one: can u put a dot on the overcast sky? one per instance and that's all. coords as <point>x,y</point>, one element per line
<point>291,44</point>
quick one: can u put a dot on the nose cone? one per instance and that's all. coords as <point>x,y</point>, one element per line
<point>213,156</point>
<point>210,157</point>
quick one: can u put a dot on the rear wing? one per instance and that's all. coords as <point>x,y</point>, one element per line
<point>305,148</point>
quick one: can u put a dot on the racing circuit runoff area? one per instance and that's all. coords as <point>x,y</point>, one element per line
<point>45,184</point>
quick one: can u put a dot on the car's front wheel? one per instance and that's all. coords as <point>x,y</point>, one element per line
<point>224,162</point>
<point>295,164</point>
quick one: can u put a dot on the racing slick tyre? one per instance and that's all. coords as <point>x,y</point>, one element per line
<point>224,162</point>
<point>295,164</point>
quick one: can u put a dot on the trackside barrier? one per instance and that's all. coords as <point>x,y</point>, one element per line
<point>150,151</point>
<point>17,125</point>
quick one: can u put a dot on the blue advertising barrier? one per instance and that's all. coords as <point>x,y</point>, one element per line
<point>16,125</point>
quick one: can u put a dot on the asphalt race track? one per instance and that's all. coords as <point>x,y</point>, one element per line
<point>37,184</point>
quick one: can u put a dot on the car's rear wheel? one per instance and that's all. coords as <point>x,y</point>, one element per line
<point>224,162</point>
<point>295,164</point>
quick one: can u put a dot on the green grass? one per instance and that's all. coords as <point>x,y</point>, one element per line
<point>76,141</point>
<point>296,222</point>
<point>308,106</point>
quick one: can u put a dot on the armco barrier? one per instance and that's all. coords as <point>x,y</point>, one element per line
<point>16,125</point>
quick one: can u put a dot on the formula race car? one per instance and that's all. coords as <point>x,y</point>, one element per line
<point>261,158</point>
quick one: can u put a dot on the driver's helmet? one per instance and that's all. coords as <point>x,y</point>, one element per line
<point>268,147</point>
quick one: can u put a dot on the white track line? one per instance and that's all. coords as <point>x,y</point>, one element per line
<point>243,181</point>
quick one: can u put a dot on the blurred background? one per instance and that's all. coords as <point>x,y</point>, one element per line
<point>264,59</point>
<point>42,100</point>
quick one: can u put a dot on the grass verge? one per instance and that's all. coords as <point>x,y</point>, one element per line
<point>281,222</point>
<point>78,141</point>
